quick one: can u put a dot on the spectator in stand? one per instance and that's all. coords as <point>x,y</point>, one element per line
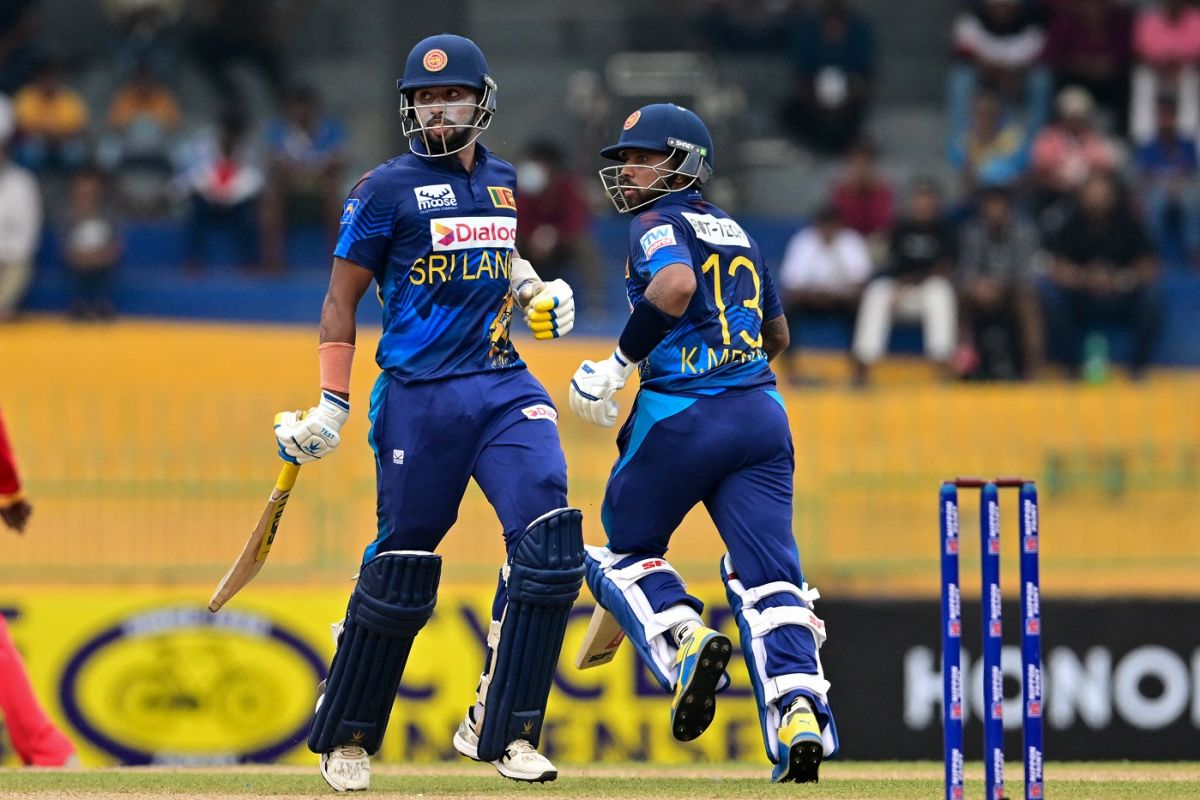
<point>20,221</point>
<point>1090,44</point>
<point>864,198</point>
<point>833,53</point>
<point>142,119</point>
<point>18,43</point>
<point>1065,154</point>
<point>92,245</point>
<point>993,151</point>
<point>749,25</point>
<point>52,122</point>
<point>233,32</point>
<point>140,146</point>
<point>556,223</point>
<point>224,179</point>
<point>999,44</point>
<point>914,286</point>
<point>38,742</point>
<point>1167,168</point>
<point>145,35</point>
<point>306,163</point>
<point>821,279</point>
<point>1166,44</point>
<point>1000,335</point>
<point>1103,271</point>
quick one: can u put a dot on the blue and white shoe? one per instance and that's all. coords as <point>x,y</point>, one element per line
<point>800,746</point>
<point>701,662</point>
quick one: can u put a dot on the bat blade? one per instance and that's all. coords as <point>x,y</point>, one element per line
<point>258,546</point>
<point>601,642</point>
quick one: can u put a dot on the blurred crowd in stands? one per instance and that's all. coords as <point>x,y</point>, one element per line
<point>1071,132</point>
<point>95,168</point>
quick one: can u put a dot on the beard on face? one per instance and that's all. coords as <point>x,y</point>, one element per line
<point>453,136</point>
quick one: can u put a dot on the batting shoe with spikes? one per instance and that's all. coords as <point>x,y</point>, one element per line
<point>346,768</point>
<point>700,661</point>
<point>800,746</point>
<point>520,762</point>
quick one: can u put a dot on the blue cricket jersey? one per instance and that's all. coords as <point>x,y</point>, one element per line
<point>439,241</point>
<point>718,343</point>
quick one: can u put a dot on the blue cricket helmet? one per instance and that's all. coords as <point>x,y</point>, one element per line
<point>445,60</point>
<point>665,127</point>
<point>662,128</point>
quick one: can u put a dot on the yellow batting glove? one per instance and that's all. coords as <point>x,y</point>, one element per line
<point>551,312</point>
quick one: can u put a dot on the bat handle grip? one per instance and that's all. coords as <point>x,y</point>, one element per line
<point>287,477</point>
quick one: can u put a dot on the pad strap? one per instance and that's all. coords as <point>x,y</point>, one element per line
<point>754,625</point>
<point>617,589</point>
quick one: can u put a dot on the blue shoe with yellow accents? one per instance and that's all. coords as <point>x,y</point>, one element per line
<point>800,746</point>
<point>701,662</point>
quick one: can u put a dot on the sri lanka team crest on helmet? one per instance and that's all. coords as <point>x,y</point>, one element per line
<point>632,120</point>
<point>435,60</point>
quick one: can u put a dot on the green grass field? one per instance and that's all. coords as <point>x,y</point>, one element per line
<point>846,781</point>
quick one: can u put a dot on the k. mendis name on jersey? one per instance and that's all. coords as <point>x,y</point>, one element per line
<point>702,358</point>
<point>466,248</point>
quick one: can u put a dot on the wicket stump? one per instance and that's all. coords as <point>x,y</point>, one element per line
<point>953,701</point>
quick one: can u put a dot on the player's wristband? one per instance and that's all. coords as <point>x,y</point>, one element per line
<point>335,359</point>
<point>648,325</point>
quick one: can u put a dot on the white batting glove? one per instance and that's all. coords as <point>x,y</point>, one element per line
<point>305,437</point>
<point>551,312</point>
<point>593,387</point>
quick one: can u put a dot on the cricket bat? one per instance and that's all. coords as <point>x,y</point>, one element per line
<point>601,642</point>
<point>258,546</point>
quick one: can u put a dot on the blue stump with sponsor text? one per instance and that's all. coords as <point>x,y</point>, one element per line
<point>992,619</point>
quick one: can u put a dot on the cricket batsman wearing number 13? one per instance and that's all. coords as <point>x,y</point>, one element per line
<point>707,426</point>
<point>434,229</point>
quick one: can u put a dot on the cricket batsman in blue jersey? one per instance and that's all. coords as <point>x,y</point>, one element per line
<point>708,426</point>
<point>434,229</point>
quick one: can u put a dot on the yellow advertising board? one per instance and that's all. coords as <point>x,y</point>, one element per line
<point>147,450</point>
<point>141,676</point>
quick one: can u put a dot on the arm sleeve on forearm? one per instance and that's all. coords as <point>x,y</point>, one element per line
<point>648,325</point>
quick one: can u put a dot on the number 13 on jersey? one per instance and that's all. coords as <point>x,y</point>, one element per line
<point>713,265</point>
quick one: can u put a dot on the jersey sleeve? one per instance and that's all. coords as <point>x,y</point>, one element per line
<point>656,241</point>
<point>368,216</point>
<point>771,307</point>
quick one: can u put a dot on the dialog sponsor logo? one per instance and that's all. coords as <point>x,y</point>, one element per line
<point>541,411</point>
<point>464,233</point>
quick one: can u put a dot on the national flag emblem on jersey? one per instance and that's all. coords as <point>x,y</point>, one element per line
<point>502,197</point>
<point>349,209</point>
<point>656,239</point>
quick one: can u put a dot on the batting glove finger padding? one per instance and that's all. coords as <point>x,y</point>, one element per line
<point>551,312</point>
<point>307,437</point>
